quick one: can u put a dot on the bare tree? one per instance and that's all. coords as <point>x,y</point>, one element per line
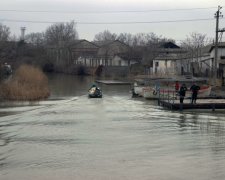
<point>36,39</point>
<point>105,36</point>
<point>7,49</point>
<point>141,39</point>
<point>148,45</point>
<point>61,32</point>
<point>194,44</point>
<point>195,40</point>
<point>4,33</point>
<point>144,39</point>
<point>126,38</point>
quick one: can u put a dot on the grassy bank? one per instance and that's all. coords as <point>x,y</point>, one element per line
<point>28,83</point>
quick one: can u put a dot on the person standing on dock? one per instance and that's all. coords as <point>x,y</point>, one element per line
<point>177,86</point>
<point>194,88</point>
<point>182,93</point>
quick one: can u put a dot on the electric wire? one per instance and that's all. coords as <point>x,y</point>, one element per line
<point>112,23</point>
<point>104,12</point>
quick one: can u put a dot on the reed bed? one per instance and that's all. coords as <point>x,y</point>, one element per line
<point>28,83</point>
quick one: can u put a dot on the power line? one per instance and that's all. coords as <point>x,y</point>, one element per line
<point>103,12</point>
<point>205,41</point>
<point>147,22</point>
<point>27,21</point>
<point>112,23</point>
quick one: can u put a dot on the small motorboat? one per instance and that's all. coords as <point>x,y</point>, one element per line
<point>94,92</point>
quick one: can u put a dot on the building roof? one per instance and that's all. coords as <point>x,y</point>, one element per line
<point>172,57</point>
<point>76,42</point>
<point>113,48</point>
<point>127,56</point>
<point>220,45</point>
<point>108,43</point>
<point>170,45</point>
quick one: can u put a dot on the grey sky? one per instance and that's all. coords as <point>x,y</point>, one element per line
<point>87,11</point>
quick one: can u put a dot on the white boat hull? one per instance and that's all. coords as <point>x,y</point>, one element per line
<point>138,90</point>
<point>151,93</point>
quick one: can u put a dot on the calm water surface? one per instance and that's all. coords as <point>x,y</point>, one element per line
<point>117,137</point>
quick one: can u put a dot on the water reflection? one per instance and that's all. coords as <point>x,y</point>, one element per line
<point>182,121</point>
<point>206,124</point>
<point>69,85</point>
<point>62,85</point>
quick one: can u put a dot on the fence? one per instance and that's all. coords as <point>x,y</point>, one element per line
<point>167,96</point>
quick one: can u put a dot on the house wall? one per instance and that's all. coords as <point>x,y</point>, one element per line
<point>59,56</point>
<point>77,53</point>
<point>201,65</point>
<point>95,61</point>
<point>196,65</point>
<point>221,60</point>
<point>85,53</point>
<point>205,65</point>
<point>182,66</point>
<point>89,61</point>
<point>221,53</point>
<point>118,61</point>
<point>167,59</point>
<point>110,61</point>
<point>163,66</point>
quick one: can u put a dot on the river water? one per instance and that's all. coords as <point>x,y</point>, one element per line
<point>117,137</point>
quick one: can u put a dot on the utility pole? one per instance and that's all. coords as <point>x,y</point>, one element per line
<point>215,63</point>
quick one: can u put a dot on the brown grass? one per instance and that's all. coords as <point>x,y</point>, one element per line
<point>28,83</point>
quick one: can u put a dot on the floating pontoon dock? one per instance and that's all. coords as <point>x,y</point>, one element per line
<point>113,82</point>
<point>201,104</point>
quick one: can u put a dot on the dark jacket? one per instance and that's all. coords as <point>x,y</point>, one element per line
<point>183,90</point>
<point>194,88</point>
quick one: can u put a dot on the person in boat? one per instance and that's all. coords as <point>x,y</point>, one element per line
<point>93,86</point>
<point>92,89</point>
<point>95,90</point>
<point>6,69</point>
<point>182,92</point>
<point>194,88</point>
<point>177,86</point>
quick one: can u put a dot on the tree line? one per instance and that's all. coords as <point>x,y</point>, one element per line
<point>67,33</point>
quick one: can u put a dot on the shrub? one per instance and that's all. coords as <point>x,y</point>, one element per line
<point>28,83</point>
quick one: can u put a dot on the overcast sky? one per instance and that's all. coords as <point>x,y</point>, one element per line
<point>121,15</point>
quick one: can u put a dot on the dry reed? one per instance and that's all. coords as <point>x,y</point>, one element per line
<point>28,83</point>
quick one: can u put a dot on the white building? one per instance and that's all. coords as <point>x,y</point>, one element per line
<point>166,61</point>
<point>220,58</point>
<point>202,62</point>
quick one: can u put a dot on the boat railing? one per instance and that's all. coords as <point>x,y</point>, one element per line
<point>167,95</point>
